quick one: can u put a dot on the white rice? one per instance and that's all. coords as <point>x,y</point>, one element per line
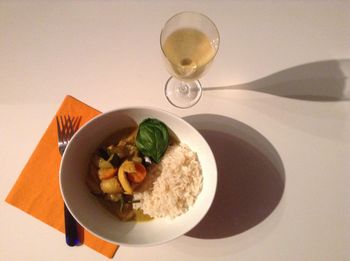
<point>173,184</point>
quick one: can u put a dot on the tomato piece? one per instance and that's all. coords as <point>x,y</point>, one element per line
<point>139,175</point>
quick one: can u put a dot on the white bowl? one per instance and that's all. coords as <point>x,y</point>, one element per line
<point>94,217</point>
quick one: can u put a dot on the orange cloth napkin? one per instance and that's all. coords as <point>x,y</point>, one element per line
<point>37,191</point>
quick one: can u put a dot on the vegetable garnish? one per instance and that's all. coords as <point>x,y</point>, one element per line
<point>127,166</point>
<point>152,139</point>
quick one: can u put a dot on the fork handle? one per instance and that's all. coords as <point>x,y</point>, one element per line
<point>72,238</point>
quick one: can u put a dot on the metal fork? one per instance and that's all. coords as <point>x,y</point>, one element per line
<point>66,127</point>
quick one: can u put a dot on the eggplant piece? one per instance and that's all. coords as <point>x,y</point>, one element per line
<point>103,153</point>
<point>115,161</point>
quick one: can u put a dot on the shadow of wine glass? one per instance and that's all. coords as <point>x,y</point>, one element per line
<point>251,177</point>
<point>317,81</point>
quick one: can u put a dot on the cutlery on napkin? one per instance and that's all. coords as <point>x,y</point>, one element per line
<point>37,191</point>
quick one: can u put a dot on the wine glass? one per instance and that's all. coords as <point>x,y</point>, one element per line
<point>189,42</point>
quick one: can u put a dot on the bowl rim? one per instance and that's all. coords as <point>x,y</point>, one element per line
<point>151,108</point>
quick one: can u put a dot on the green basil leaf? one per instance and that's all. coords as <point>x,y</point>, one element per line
<point>152,139</point>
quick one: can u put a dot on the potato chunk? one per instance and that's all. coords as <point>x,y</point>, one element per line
<point>111,186</point>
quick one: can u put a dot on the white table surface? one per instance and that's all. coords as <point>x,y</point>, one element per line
<point>106,53</point>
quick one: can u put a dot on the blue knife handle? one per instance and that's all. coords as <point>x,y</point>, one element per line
<point>72,237</point>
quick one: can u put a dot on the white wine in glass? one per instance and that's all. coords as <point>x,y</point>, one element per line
<point>189,42</point>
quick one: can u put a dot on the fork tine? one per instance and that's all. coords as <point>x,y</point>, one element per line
<point>66,123</point>
<point>59,129</point>
<point>61,126</point>
<point>64,128</point>
<point>76,123</point>
<point>72,125</point>
<point>70,129</point>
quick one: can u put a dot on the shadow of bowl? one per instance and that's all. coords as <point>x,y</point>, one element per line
<point>251,177</point>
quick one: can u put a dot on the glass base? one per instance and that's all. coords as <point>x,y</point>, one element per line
<point>183,94</point>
